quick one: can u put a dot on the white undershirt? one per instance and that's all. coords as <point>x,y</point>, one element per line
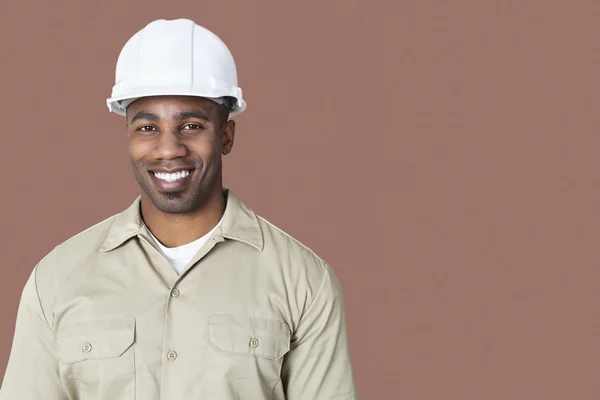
<point>180,256</point>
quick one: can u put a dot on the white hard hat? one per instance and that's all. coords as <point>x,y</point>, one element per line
<point>175,57</point>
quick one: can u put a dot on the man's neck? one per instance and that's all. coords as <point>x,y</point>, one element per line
<point>174,230</point>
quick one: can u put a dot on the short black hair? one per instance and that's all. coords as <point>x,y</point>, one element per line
<point>229,102</point>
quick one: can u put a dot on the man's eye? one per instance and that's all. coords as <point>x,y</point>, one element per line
<point>146,128</point>
<point>192,127</point>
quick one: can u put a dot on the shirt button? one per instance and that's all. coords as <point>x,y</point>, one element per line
<point>87,347</point>
<point>172,355</point>
<point>175,293</point>
<point>254,343</point>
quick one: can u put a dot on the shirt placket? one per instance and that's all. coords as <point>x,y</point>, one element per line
<point>174,349</point>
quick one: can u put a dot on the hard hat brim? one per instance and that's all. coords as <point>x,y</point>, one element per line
<point>114,103</point>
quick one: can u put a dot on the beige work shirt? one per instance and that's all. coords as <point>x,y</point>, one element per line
<point>257,315</point>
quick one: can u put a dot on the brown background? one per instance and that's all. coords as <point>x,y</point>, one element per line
<point>443,156</point>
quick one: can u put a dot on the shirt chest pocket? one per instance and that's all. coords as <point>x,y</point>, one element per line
<point>247,346</point>
<point>97,358</point>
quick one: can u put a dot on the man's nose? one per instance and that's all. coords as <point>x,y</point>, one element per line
<point>169,145</point>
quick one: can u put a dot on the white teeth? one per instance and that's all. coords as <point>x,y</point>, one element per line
<point>172,177</point>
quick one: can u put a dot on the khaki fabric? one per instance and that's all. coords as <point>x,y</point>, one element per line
<point>257,315</point>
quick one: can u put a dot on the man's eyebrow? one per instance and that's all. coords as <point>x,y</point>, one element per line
<point>145,115</point>
<point>191,114</point>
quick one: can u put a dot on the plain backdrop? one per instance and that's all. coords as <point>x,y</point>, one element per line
<point>442,156</point>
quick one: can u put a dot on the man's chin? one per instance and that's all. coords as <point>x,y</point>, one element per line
<point>171,196</point>
<point>171,202</point>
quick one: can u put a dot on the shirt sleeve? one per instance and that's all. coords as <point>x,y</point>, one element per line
<point>318,365</point>
<point>32,369</point>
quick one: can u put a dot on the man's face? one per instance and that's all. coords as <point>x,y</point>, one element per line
<point>175,145</point>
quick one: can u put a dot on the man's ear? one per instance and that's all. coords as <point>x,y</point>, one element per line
<point>228,137</point>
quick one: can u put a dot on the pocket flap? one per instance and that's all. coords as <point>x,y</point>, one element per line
<point>108,338</point>
<point>261,337</point>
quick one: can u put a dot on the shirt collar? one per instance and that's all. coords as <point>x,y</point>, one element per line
<point>239,223</point>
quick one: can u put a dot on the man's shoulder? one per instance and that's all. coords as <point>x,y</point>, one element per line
<point>299,260</point>
<point>290,247</point>
<point>86,241</point>
<point>61,260</point>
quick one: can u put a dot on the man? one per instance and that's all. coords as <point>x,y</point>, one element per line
<point>187,294</point>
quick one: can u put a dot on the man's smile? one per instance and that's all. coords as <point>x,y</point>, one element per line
<point>174,181</point>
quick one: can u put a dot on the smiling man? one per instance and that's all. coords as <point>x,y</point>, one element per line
<point>176,143</point>
<point>186,294</point>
